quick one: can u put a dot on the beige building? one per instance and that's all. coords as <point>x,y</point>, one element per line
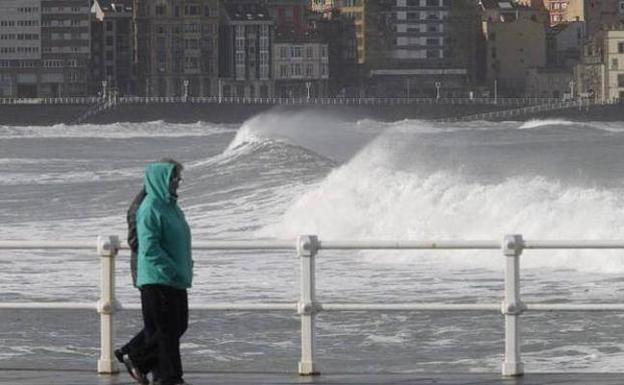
<point>614,61</point>
<point>177,47</point>
<point>562,11</point>
<point>601,75</point>
<point>512,48</point>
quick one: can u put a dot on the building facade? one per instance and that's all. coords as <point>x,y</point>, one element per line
<point>20,48</point>
<point>420,47</point>
<point>288,17</point>
<point>604,14</point>
<point>512,49</point>
<point>245,58</point>
<point>66,47</point>
<point>565,44</point>
<point>177,47</point>
<point>300,69</point>
<point>112,47</point>
<point>563,11</point>
<point>550,83</point>
<point>601,73</point>
<point>355,10</point>
<point>44,48</point>
<point>614,62</point>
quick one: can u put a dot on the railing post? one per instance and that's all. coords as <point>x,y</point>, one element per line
<point>512,306</point>
<point>107,249</point>
<point>307,247</point>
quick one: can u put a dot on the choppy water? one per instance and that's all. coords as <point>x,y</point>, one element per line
<point>277,176</point>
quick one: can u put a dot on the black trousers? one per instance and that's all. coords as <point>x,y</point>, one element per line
<point>165,319</point>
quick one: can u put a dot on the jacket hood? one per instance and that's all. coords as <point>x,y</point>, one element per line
<point>157,181</point>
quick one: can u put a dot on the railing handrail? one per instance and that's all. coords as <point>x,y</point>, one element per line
<point>260,244</point>
<point>307,246</point>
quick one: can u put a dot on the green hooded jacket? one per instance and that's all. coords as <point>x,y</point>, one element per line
<point>164,256</point>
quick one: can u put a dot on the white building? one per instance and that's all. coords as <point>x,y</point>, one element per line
<point>300,69</point>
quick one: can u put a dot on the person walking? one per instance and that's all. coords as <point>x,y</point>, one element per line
<point>164,273</point>
<point>133,242</point>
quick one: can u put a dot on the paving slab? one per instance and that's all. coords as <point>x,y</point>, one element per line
<point>65,377</point>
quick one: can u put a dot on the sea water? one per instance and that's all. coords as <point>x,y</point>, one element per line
<point>277,176</point>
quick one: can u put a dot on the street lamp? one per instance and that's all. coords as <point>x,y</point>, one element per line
<point>186,84</point>
<point>308,85</point>
<point>571,89</point>
<point>438,85</point>
<point>495,91</point>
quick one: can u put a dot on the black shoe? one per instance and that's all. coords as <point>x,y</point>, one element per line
<point>119,355</point>
<point>134,372</point>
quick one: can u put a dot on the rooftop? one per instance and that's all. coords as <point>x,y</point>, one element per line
<point>247,12</point>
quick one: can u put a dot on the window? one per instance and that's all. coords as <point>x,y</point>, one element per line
<point>433,41</point>
<point>191,10</point>
<point>309,71</point>
<point>433,54</point>
<point>621,47</point>
<point>297,70</point>
<point>161,10</point>
<point>614,64</point>
<point>284,70</point>
<point>309,52</point>
<point>296,52</point>
<point>621,80</point>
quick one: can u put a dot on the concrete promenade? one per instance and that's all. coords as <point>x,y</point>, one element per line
<point>53,377</point>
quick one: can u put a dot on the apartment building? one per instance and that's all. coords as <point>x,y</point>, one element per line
<point>420,47</point>
<point>44,48</point>
<point>565,44</point>
<point>355,10</point>
<point>563,11</point>
<point>603,14</point>
<point>177,47</point>
<point>614,62</point>
<point>20,47</point>
<point>288,17</point>
<point>338,33</point>
<point>515,42</point>
<point>301,69</point>
<point>245,61</point>
<point>66,47</point>
<point>601,74</point>
<point>112,47</point>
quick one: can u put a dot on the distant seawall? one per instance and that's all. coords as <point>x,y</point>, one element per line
<point>237,111</point>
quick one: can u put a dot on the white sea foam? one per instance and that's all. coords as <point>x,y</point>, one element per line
<point>536,123</point>
<point>371,197</point>
<point>326,136</point>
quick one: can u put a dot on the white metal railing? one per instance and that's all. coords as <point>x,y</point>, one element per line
<point>370,100</point>
<point>307,247</point>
